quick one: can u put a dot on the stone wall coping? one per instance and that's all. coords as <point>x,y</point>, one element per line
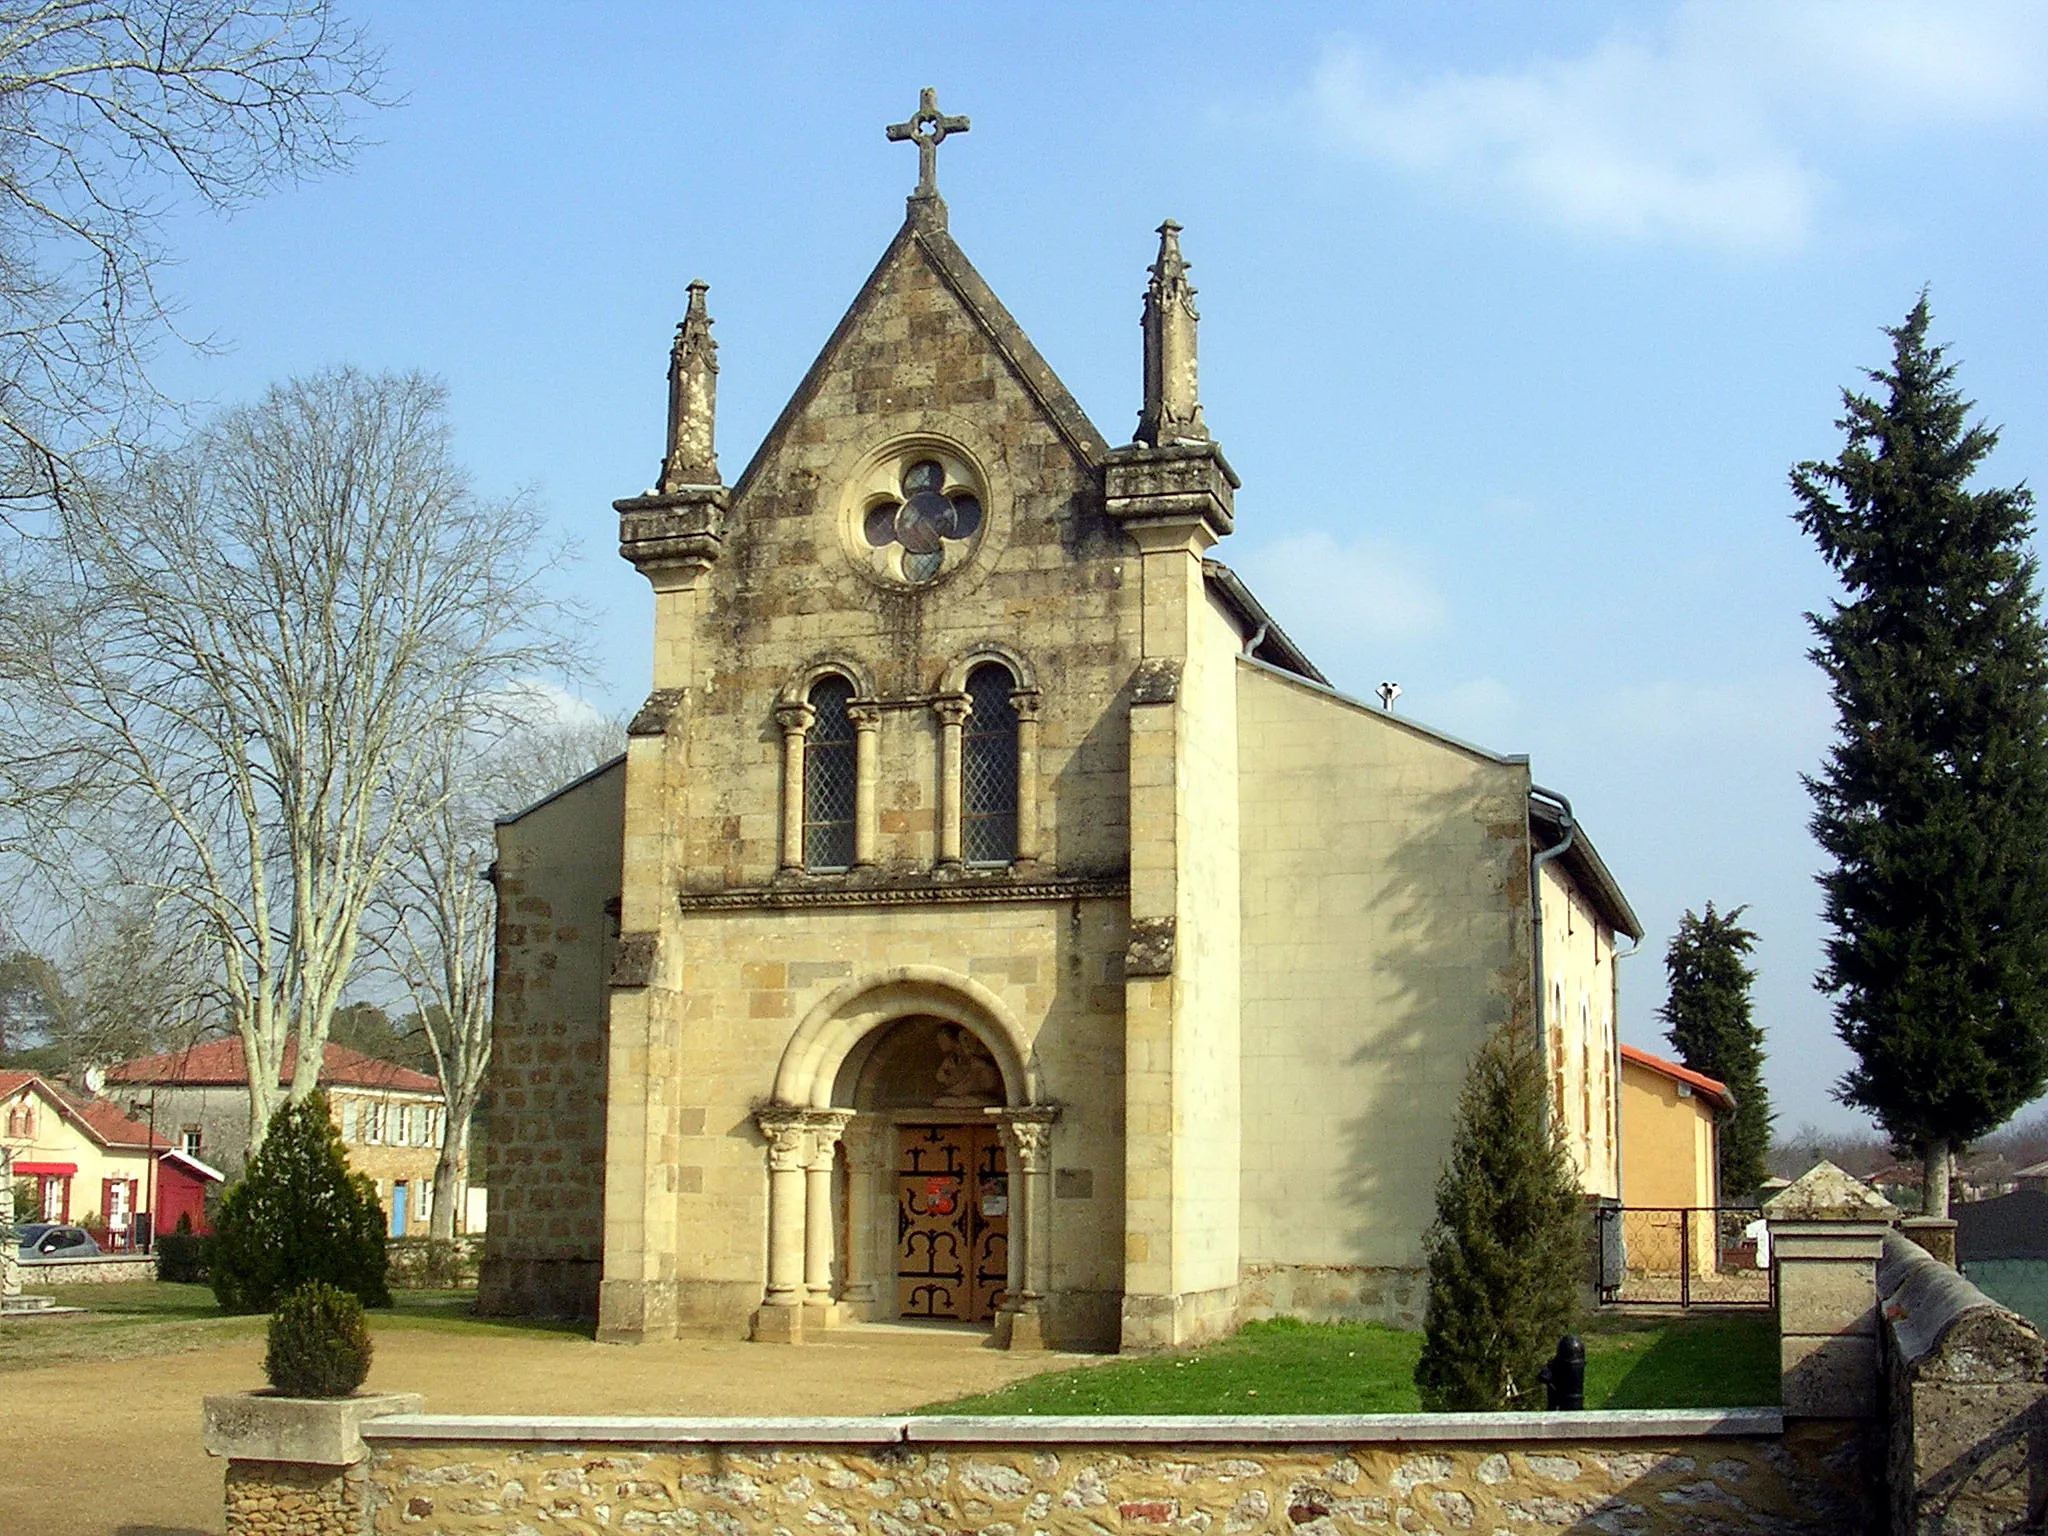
<point>1925,1302</point>
<point>311,1431</point>
<point>1190,1429</point>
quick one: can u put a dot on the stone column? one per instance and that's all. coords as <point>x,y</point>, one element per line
<point>867,770</point>
<point>952,710</point>
<point>1827,1234</point>
<point>1027,1148</point>
<point>1025,701</point>
<point>819,1228</point>
<point>10,1268</point>
<point>780,1318</point>
<point>795,720</point>
<point>867,1140</point>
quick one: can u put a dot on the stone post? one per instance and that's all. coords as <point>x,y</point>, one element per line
<point>865,1160</point>
<point>780,1318</point>
<point>10,1267</point>
<point>1936,1234</point>
<point>1827,1233</point>
<point>296,1464</point>
<point>819,1228</point>
<point>1027,1146</point>
<point>952,710</point>
<point>867,759</point>
<point>795,720</point>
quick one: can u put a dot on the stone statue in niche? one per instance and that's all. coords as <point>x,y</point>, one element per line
<point>967,1076</point>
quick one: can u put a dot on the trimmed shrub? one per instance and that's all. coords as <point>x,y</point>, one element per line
<point>319,1343</point>
<point>296,1215</point>
<point>180,1258</point>
<point>1508,1247</point>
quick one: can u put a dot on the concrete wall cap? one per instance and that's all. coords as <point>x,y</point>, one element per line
<point>312,1431</point>
<point>1825,1193</point>
<point>1191,1429</point>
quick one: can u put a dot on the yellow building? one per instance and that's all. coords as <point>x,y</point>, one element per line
<point>996,916</point>
<point>88,1163</point>
<point>1670,1150</point>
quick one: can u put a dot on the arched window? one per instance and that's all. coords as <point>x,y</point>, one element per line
<point>988,769</point>
<point>829,777</point>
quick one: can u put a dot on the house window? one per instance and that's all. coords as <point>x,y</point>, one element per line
<point>988,768</point>
<point>21,1120</point>
<point>190,1140</point>
<point>350,1114</point>
<point>373,1124</point>
<point>830,777</point>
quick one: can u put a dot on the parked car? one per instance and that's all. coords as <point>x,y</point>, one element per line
<point>41,1240</point>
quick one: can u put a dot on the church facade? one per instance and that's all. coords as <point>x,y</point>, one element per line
<point>995,917</point>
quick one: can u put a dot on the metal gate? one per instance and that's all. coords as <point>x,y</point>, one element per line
<point>1678,1256</point>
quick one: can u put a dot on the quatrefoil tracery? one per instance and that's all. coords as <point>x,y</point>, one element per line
<point>930,519</point>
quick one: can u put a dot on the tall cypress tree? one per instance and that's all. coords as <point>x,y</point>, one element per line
<point>1933,802</point>
<point>1507,1250</point>
<point>1714,1031</point>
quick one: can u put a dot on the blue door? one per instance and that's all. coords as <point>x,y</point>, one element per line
<point>398,1209</point>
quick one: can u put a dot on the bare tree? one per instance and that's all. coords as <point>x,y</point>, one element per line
<point>250,641</point>
<point>109,110</point>
<point>437,921</point>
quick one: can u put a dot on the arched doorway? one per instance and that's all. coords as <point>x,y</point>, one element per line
<point>909,1168</point>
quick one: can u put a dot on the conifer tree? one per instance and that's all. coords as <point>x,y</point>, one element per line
<point>1508,1246</point>
<point>298,1214</point>
<point>1714,1031</point>
<point>1933,801</point>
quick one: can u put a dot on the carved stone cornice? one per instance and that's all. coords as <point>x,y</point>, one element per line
<point>673,536</point>
<point>634,959</point>
<point>655,714</point>
<point>1174,490</point>
<point>1150,951</point>
<point>1156,681</point>
<point>924,891</point>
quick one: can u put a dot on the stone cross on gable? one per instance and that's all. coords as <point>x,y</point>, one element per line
<point>927,129</point>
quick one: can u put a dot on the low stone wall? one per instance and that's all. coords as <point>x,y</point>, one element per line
<point>1638,1473</point>
<point>36,1274</point>
<point>1966,1386</point>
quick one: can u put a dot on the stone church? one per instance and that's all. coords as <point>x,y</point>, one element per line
<point>995,917</point>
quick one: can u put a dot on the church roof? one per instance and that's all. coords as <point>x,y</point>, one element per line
<point>924,230</point>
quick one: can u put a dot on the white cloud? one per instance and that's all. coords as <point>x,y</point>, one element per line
<point>1333,597</point>
<point>1708,128</point>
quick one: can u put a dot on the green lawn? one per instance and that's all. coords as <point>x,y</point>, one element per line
<point>146,1317</point>
<point>1290,1367</point>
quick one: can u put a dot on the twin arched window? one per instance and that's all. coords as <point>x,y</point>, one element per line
<point>832,804</point>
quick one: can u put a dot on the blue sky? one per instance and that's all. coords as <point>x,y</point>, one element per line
<point>1513,320</point>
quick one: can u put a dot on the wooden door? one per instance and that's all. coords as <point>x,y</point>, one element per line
<point>952,1222</point>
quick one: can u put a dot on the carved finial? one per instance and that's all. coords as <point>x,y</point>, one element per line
<point>692,399</point>
<point>1172,414</point>
<point>927,129</point>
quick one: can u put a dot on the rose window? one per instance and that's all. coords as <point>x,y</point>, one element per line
<point>923,524</point>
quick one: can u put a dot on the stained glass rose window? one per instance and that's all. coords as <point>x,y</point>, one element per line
<point>925,523</point>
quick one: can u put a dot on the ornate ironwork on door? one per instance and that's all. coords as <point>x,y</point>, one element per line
<point>952,1222</point>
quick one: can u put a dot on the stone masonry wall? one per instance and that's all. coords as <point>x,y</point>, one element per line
<point>282,1498</point>
<point>1809,1479</point>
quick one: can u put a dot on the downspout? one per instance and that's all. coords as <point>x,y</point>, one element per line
<point>1570,828</point>
<point>1614,1066</point>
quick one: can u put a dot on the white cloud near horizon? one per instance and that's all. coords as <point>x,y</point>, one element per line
<point>1333,596</point>
<point>1707,128</point>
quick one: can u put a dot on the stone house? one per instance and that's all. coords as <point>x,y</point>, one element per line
<point>995,916</point>
<point>390,1116</point>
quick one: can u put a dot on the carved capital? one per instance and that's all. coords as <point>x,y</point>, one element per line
<point>1156,681</point>
<point>661,707</point>
<point>1027,1131</point>
<point>865,714</point>
<point>1150,951</point>
<point>826,1126</point>
<point>788,1131</point>
<point>952,708</point>
<point>1025,701</point>
<point>795,718</point>
<point>633,961</point>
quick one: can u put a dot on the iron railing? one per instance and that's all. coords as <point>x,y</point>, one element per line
<point>1675,1256</point>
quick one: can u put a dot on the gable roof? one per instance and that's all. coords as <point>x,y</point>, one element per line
<point>1587,867</point>
<point>2013,1226</point>
<point>220,1063</point>
<point>103,1122</point>
<point>926,234</point>
<point>1717,1091</point>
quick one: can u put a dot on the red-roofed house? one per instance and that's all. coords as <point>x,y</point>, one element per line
<point>389,1116</point>
<point>1670,1140</point>
<point>88,1163</point>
